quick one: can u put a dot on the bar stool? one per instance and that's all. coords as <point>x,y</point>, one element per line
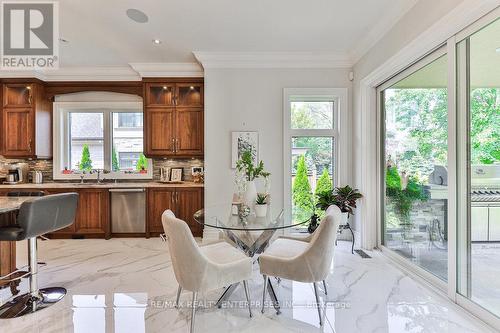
<point>38,216</point>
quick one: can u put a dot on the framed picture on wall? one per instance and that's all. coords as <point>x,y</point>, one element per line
<point>176,175</point>
<point>241,142</point>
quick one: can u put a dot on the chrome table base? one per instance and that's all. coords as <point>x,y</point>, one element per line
<point>27,303</point>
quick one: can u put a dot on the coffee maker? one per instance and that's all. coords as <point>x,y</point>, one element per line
<point>17,173</point>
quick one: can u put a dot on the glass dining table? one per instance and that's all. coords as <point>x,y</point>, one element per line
<point>251,234</point>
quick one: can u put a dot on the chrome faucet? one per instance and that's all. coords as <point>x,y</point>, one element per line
<point>99,180</point>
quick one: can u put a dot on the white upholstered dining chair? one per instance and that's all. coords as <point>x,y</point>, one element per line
<point>203,268</point>
<point>303,260</point>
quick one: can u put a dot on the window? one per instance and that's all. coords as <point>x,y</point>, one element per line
<point>86,139</point>
<point>311,136</point>
<point>415,141</point>
<point>99,135</point>
<point>130,119</point>
<point>478,228</point>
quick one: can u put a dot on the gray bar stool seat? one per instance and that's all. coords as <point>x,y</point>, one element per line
<point>38,216</point>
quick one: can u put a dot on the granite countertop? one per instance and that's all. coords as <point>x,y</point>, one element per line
<point>8,204</point>
<point>95,185</point>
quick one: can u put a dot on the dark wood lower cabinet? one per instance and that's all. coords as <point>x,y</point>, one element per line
<point>183,201</point>
<point>158,200</point>
<point>92,215</point>
<point>93,212</point>
<point>8,255</point>
<point>189,201</point>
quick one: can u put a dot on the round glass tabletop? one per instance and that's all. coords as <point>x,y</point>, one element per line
<point>233,217</point>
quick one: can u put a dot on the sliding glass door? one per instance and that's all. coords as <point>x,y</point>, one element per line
<point>440,167</point>
<point>415,109</point>
<point>478,64</point>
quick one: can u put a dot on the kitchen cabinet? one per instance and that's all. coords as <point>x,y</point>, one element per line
<point>158,200</point>
<point>92,216</point>
<point>189,201</point>
<point>173,111</point>
<point>183,201</point>
<point>26,121</point>
<point>92,213</point>
<point>159,132</point>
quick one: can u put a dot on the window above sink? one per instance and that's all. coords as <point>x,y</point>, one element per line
<point>104,135</point>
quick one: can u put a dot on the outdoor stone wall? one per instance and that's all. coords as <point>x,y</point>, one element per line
<point>421,216</point>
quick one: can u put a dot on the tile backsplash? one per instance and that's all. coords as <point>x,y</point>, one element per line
<point>45,166</point>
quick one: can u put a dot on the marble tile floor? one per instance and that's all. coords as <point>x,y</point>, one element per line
<point>127,285</point>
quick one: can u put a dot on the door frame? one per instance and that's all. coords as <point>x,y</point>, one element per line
<point>468,20</point>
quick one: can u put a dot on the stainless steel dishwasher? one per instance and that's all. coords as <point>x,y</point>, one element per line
<point>128,210</point>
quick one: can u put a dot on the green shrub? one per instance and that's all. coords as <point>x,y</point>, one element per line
<point>324,183</point>
<point>403,199</point>
<point>142,163</point>
<point>301,190</point>
<point>85,163</point>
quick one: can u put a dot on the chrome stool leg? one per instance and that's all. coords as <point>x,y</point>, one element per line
<point>36,299</point>
<point>245,285</point>
<point>179,290</point>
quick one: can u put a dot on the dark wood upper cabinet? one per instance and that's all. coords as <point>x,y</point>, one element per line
<point>18,95</point>
<point>26,121</point>
<point>173,112</point>
<point>158,94</point>
<point>189,131</point>
<point>159,132</point>
<point>18,132</point>
<point>189,94</point>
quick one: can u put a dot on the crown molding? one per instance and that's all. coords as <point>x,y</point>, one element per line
<point>100,73</point>
<point>376,33</point>
<point>168,69</point>
<point>273,59</point>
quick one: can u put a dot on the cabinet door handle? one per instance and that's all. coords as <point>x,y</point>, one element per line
<point>30,96</point>
<point>29,145</point>
<point>173,145</point>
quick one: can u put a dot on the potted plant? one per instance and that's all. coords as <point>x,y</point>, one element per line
<point>245,165</point>
<point>343,197</point>
<point>261,205</point>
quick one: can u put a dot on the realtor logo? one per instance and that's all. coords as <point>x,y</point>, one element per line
<point>30,35</point>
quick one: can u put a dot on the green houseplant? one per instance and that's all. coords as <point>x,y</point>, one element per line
<point>246,166</point>
<point>261,205</point>
<point>343,197</point>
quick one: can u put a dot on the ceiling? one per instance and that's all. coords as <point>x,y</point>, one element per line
<point>100,33</point>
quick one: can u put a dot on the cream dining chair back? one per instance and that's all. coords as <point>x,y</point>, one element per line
<point>203,268</point>
<point>303,261</point>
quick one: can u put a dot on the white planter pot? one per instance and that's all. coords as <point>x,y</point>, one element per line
<point>250,194</point>
<point>261,210</point>
<point>344,218</point>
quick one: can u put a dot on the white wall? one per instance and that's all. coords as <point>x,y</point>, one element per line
<point>252,100</point>
<point>420,18</point>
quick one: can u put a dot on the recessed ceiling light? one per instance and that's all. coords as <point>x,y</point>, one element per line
<point>156,41</point>
<point>137,15</point>
<point>498,49</point>
<point>64,41</point>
